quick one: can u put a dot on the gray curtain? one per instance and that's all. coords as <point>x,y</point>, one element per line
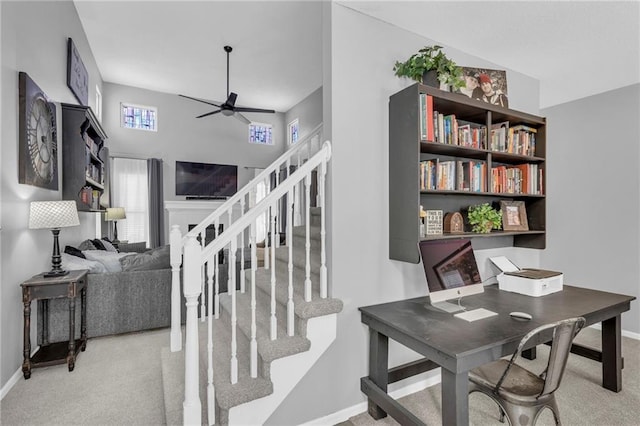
<point>156,202</point>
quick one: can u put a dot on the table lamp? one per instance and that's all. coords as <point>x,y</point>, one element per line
<point>114,214</point>
<point>53,215</point>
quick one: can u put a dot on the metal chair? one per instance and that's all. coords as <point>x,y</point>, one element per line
<point>519,393</point>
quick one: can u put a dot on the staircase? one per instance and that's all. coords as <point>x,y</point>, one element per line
<point>253,343</point>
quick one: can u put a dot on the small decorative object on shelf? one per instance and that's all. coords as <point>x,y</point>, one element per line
<point>423,215</point>
<point>428,61</point>
<point>434,222</point>
<point>514,216</point>
<point>453,223</point>
<point>483,218</point>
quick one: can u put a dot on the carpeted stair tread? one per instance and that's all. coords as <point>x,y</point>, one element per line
<point>268,350</point>
<point>304,310</point>
<point>246,389</point>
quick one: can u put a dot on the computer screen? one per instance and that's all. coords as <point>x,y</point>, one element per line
<point>450,268</point>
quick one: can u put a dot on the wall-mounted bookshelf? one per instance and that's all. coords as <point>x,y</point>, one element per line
<point>448,152</point>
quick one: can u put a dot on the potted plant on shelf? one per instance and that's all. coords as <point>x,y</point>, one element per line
<point>483,218</point>
<point>431,67</point>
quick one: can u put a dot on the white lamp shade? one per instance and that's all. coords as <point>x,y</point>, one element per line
<point>53,214</point>
<point>115,213</point>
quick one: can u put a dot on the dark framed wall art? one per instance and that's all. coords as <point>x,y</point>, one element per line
<point>38,136</point>
<point>77,76</point>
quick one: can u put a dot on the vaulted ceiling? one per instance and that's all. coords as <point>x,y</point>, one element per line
<point>575,49</point>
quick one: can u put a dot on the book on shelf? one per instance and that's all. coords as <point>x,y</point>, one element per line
<point>472,135</point>
<point>426,118</point>
<point>499,133</point>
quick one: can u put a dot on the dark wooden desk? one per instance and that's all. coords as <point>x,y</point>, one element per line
<point>41,288</point>
<point>459,346</point>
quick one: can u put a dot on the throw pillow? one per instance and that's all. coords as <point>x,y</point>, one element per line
<point>75,263</point>
<point>157,258</point>
<point>98,244</point>
<point>108,246</point>
<point>74,251</point>
<point>86,245</point>
<point>111,261</point>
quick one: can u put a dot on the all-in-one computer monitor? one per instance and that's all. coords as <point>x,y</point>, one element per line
<point>451,270</point>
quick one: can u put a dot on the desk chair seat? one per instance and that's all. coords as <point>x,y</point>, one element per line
<point>519,393</point>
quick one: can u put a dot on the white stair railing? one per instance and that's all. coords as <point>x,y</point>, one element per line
<point>300,152</point>
<point>200,255</point>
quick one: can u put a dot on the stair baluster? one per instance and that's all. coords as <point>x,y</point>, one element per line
<point>307,245</point>
<point>323,233</point>
<point>254,266</point>
<point>234,318</point>
<point>210,388</point>
<point>203,309</point>
<point>192,411</point>
<point>274,321</point>
<point>242,274</point>
<point>290,306</point>
<point>175,253</point>
<point>216,292</point>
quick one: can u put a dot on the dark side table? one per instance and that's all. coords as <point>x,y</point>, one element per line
<point>41,288</point>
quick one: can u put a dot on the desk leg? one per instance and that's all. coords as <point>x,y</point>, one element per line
<point>26,353</point>
<point>71,362</point>
<point>612,354</point>
<point>455,398</point>
<point>45,322</point>
<point>83,318</point>
<point>378,368</point>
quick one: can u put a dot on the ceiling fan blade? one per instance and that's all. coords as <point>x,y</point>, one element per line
<point>241,117</point>
<point>245,109</point>
<point>209,113</point>
<point>200,100</point>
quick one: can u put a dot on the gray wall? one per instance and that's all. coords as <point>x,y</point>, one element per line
<point>182,137</point>
<point>308,112</point>
<point>360,270</point>
<point>593,200</point>
<point>34,40</point>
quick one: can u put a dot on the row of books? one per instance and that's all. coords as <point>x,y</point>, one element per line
<point>446,129</point>
<point>453,175</point>
<point>519,139</point>
<point>95,172</point>
<point>520,179</point>
<point>94,148</point>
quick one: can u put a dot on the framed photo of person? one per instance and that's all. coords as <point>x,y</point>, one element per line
<point>486,85</point>
<point>514,216</point>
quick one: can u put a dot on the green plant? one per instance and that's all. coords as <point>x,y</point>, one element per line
<point>483,218</point>
<point>427,59</point>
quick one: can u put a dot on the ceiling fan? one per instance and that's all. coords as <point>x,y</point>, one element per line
<point>228,108</point>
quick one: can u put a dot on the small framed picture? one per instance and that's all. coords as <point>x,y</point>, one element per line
<point>433,222</point>
<point>514,216</point>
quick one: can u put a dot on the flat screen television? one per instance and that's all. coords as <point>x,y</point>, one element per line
<point>205,180</point>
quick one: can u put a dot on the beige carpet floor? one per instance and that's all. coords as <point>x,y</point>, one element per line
<point>116,381</point>
<point>581,398</point>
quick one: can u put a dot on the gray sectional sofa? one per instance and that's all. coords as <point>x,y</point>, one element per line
<point>117,302</point>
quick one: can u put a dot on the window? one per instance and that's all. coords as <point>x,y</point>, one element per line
<point>98,103</point>
<point>130,190</point>
<point>293,131</point>
<point>261,133</point>
<point>139,117</point>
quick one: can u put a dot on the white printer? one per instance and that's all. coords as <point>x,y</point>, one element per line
<point>529,281</point>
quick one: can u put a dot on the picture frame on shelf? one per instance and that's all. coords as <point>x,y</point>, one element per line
<point>474,77</point>
<point>433,222</point>
<point>514,216</point>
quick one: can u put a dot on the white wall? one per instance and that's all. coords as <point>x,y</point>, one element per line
<point>593,200</point>
<point>362,54</point>
<point>182,137</point>
<point>308,112</point>
<point>34,40</point>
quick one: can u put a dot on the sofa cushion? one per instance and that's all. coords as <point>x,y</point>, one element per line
<point>86,245</point>
<point>75,263</point>
<point>108,246</point>
<point>157,258</point>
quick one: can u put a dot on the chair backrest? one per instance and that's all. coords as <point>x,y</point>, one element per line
<point>563,333</point>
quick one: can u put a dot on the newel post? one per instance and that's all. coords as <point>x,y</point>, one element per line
<point>175,241</point>
<point>192,410</point>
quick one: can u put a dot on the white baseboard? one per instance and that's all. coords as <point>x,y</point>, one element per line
<point>14,379</point>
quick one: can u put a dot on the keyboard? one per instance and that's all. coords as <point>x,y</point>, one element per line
<point>475,314</point>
